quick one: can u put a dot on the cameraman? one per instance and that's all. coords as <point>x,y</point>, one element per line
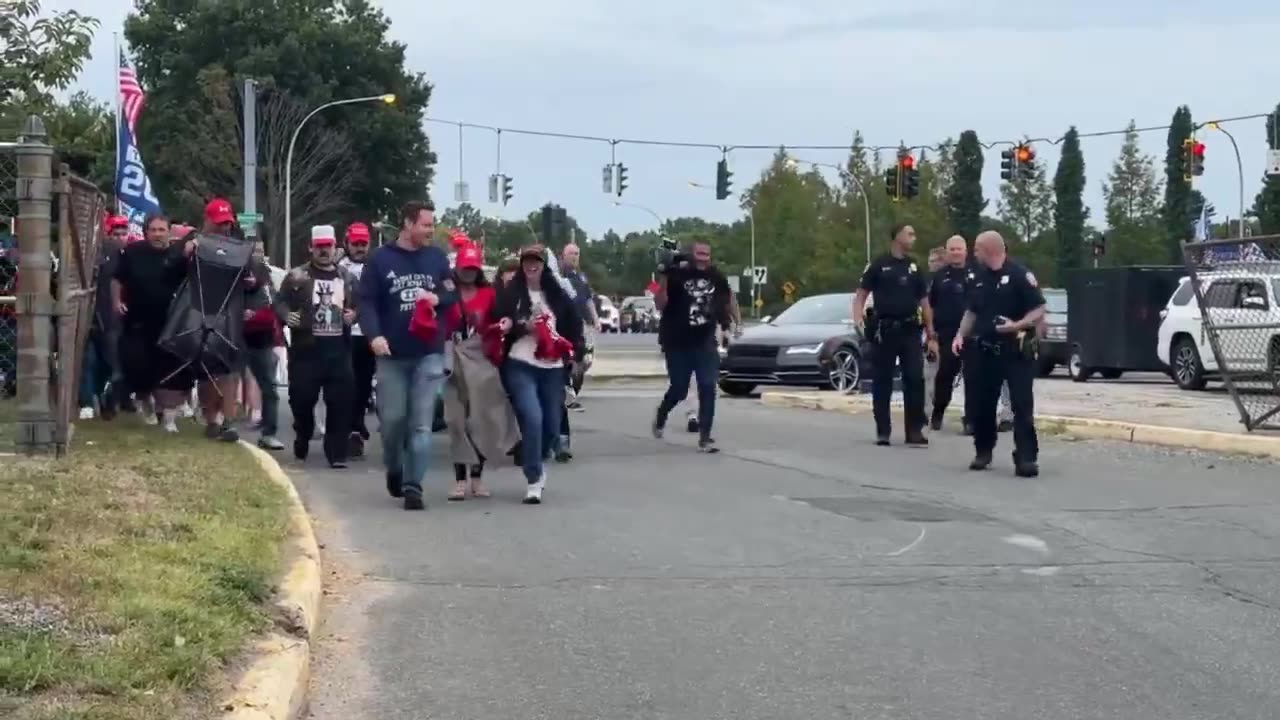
<point>693,297</point>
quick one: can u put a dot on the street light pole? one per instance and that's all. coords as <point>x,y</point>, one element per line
<point>642,208</point>
<point>751,216</point>
<point>288,167</point>
<point>1239,170</point>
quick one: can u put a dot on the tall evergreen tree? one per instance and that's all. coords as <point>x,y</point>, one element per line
<point>1027,204</point>
<point>964,196</point>
<point>1132,196</point>
<point>1267,205</point>
<point>1069,212</point>
<point>1176,212</point>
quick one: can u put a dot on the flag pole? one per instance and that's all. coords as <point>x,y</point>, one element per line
<point>115,37</point>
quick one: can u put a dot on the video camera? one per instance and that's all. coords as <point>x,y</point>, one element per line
<point>667,255</point>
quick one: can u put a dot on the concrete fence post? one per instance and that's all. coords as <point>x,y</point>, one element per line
<point>35,306</point>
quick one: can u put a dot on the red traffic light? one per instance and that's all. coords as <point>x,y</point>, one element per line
<point>907,162</point>
<point>1198,149</point>
<point>1025,154</point>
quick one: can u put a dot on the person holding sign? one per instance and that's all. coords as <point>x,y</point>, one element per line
<point>317,302</point>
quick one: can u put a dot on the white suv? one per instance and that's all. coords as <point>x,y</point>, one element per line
<point>1244,307</point>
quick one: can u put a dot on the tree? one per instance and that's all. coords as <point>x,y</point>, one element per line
<point>1177,189</point>
<point>1069,212</point>
<point>1267,205</point>
<point>964,194</point>
<point>1027,204</point>
<point>40,55</point>
<point>1132,196</point>
<point>465,217</point>
<point>944,169</point>
<point>311,51</point>
<point>83,131</point>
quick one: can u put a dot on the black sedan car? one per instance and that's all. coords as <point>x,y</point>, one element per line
<point>812,343</point>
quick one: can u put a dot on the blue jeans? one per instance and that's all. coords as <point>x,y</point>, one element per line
<point>407,391</point>
<point>537,397</point>
<point>704,364</point>
<point>96,370</point>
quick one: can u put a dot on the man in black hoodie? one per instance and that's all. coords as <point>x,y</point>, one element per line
<point>317,302</point>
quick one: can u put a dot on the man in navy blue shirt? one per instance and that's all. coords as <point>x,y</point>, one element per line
<point>410,371</point>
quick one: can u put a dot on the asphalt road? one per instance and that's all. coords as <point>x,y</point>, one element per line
<point>804,573</point>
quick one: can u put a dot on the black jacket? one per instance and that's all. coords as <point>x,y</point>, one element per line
<point>513,304</point>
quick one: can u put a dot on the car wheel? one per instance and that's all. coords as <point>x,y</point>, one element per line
<point>737,389</point>
<point>1076,367</point>
<point>1111,374</point>
<point>1188,371</point>
<point>846,371</point>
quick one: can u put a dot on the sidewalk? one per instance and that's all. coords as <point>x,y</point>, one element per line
<point>1142,411</point>
<point>635,367</point>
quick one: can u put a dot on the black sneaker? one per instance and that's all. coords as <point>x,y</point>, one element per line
<point>981,461</point>
<point>917,439</point>
<point>355,446</point>
<point>563,456</point>
<point>707,445</point>
<point>657,428</point>
<point>301,448</point>
<point>966,428</point>
<point>1027,470</point>
<point>395,485</point>
<point>935,423</point>
<point>691,424</point>
<point>212,430</point>
<point>414,502</point>
<point>882,440</point>
<point>575,406</point>
<point>228,434</point>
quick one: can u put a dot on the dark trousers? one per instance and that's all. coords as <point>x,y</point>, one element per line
<point>311,374</point>
<point>703,364</point>
<point>949,366</point>
<point>363,365</point>
<point>995,365</point>
<point>98,369</point>
<point>262,363</point>
<point>564,418</point>
<point>898,345</point>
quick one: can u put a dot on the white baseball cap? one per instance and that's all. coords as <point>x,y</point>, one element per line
<point>323,235</point>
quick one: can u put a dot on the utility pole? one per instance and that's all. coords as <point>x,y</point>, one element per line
<point>250,155</point>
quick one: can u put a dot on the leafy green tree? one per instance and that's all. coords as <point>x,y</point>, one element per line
<point>1027,204</point>
<point>1267,204</point>
<point>944,170</point>
<point>1132,196</point>
<point>1069,212</point>
<point>465,217</point>
<point>40,55</point>
<point>964,195</point>
<point>82,131</point>
<point>308,52</point>
<point>1176,212</point>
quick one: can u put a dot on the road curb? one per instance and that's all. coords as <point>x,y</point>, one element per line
<point>1209,440</point>
<point>627,377</point>
<point>273,685</point>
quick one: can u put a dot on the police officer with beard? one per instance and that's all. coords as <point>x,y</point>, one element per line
<point>1004,309</point>
<point>901,312</point>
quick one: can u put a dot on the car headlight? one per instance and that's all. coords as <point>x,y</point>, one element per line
<point>1057,333</point>
<point>804,349</point>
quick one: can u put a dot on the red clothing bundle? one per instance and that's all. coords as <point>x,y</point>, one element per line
<point>474,313</point>
<point>551,344</point>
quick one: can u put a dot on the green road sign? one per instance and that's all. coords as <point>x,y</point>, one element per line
<point>246,219</point>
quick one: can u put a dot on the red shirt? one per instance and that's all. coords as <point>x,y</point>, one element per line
<point>477,311</point>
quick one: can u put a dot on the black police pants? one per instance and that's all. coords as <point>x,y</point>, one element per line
<point>898,345</point>
<point>311,374</point>
<point>363,366</point>
<point>944,383</point>
<point>996,365</point>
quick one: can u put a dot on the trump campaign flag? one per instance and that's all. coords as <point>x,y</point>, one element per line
<point>134,196</point>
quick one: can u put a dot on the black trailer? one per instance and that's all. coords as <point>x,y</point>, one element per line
<point>1113,318</point>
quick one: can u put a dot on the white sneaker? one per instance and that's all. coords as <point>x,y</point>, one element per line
<point>147,410</point>
<point>187,410</point>
<point>86,413</point>
<point>533,496</point>
<point>170,423</point>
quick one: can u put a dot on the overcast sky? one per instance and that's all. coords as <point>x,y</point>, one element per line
<point>808,72</point>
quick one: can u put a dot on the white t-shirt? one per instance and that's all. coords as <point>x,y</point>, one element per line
<point>355,268</point>
<point>526,348</point>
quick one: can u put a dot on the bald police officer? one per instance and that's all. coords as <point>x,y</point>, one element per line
<point>901,313</point>
<point>1005,306</point>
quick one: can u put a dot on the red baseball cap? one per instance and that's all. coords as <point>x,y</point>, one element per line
<point>117,221</point>
<point>218,212</point>
<point>469,257</point>
<point>358,233</point>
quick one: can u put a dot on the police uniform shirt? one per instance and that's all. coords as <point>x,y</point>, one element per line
<point>897,285</point>
<point>949,296</point>
<point>1011,292</point>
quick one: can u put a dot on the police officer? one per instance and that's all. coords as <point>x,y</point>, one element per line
<point>948,296</point>
<point>901,312</point>
<point>1005,306</point>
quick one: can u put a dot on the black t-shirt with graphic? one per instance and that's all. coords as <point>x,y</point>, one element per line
<point>697,301</point>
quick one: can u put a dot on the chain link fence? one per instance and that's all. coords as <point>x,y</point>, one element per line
<point>8,299</point>
<point>1225,324</point>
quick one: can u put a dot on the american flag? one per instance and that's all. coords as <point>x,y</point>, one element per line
<point>131,96</point>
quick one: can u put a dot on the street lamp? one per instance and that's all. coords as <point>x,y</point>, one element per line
<point>386,98</point>
<point>642,208</point>
<point>1213,125</point>
<point>846,175</point>
<point>751,215</point>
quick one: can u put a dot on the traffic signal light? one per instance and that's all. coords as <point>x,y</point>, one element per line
<point>622,178</point>
<point>723,179</point>
<point>1099,245</point>
<point>606,179</point>
<point>1007,164</point>
<point>494,191</point>
<point>507,187</point>
<point>548,223</point>
<point>1025,156</point>
<point>892,183</point>
<point>1197,158</point>
<point>910,177</point>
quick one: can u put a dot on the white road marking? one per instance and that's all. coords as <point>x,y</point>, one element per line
<point>1043,571</point>
<point>1030,542</point>
<point>914,543</point>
